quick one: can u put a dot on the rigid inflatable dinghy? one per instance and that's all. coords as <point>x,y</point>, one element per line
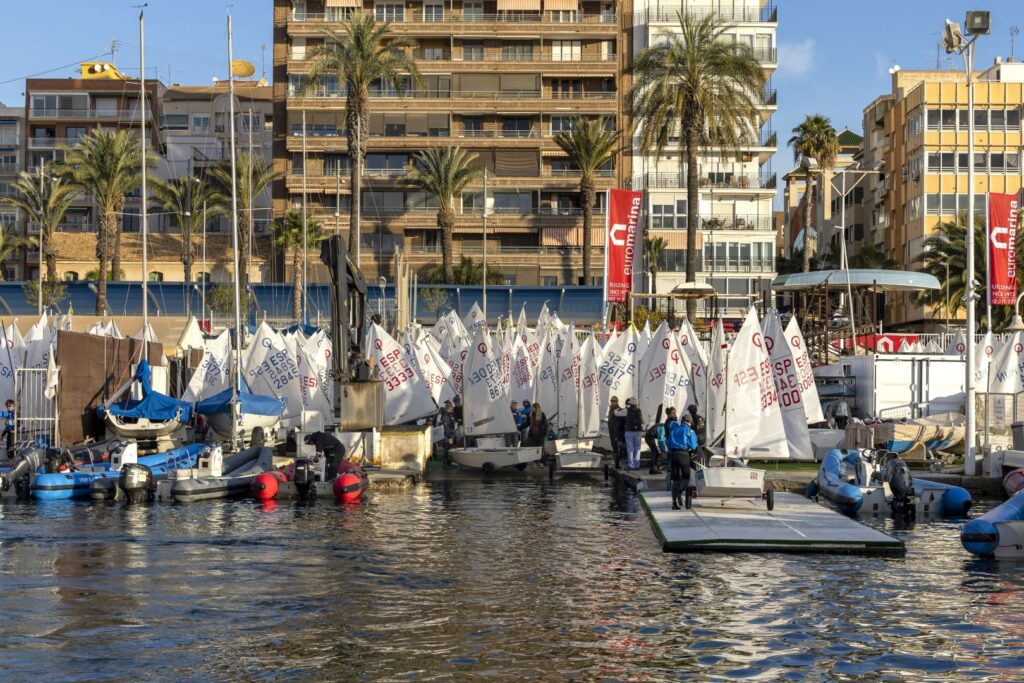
<point>218,476</point>
<point>999,532</point>
<point>879,482</point>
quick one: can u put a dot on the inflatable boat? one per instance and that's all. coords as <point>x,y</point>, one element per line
<point>1000,531</point>
<point>76,483</point>
<point>233,478</point>
<point>879,482</point>
<point>348,486</point>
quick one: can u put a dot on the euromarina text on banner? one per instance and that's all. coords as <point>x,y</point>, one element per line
<point>621,243</point>
<point>1002,249</point>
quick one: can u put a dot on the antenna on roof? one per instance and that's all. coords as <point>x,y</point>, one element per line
<point>1014,32</point>
<point>263,63</point>
<point>115,44</point>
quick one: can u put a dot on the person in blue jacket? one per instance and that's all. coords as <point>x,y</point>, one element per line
<point>682,442</point>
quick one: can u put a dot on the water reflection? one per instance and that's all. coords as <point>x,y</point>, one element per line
<point>504,578</point>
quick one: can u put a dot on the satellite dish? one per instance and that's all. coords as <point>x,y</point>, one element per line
<point>242,68</point>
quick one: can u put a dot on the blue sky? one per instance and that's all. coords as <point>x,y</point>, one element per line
<point>834,56</point>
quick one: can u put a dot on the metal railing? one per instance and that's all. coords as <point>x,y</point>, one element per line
<point>769,97</point>
<point>418,17</point>
<point>36,417</point>
<point>83,114</point>
<point>8,168</point>
<point>445,55</point>
<point>766,14</point>
<point>500,250</point>
<point>9,139</point>
<point>544,211</point>
<point>737,223</point>
<point>716,180</point>
<point>467,94</point>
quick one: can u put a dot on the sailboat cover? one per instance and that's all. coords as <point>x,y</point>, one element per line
<point>153,405</point>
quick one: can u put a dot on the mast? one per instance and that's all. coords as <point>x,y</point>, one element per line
<point>304,285</point>
<point>145,208</point>
<point>252,222</point>
<point>236,387</point>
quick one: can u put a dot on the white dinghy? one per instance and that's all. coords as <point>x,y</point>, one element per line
<point>486,411</point>
<point>578,421</point>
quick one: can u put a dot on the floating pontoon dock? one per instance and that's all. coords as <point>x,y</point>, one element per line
<point>796,525</point>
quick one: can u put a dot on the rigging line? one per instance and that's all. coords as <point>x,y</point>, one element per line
<point>50,71</point>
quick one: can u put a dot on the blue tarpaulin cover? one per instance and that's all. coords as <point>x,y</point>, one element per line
<point>249,404</point>
<point>153,405</point>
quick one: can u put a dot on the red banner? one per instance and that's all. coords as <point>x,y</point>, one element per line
<point>622,241</point>
<point>1002,248</point>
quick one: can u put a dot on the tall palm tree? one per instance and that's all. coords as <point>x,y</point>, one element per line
<point>288,235</point>
<point>872,256</point>
<point>444,173</point>
<point>10,244</point>
<point>45,202</point>
<point>695,85</point>
<point>185,198</point>
<point>467,272</point>
<point>261,172</point>
<point>589,145</point>
<point>107,165</point>
<point>814,138</point>
<point>362,54</point>
<point>654,247</point>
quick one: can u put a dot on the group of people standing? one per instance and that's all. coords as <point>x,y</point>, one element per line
<point>678,438</point>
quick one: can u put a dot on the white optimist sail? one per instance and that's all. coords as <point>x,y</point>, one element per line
<point>983,356</point>
<point>434,371</point>
<point>753,418</point>
<point>545,388</point>
<point>212,375</point>
<point>15,345</point>
<point>522,374</point>
<point>698,360</point>
<point>618,370</point>
<point>531,341</point>
<point>318,351</point>
<point>270,369</point>
<point>589,421</point>
<point>664,376</point>
<point>454,351</point>
<point>1008,367</point>
<point>406,396</point>
<point>567,416</point>
<point>543,318</point>
<point>787,386</point>
<point>804,372</point>
<point>715,416</point>
<point>485,405</point>
<point>473,320</point>
<point>8,364</point>
<point>957,346</point>
<point>311,389</point>
<point>448,326</point>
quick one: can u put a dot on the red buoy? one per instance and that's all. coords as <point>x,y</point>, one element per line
<point>350,484</point>
<point>266,484</point>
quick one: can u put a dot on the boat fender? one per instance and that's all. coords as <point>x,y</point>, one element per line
<point>349,486</point>
<point>266,485</point>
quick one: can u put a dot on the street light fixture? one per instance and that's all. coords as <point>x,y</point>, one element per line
<point>954,40</point>
<point>1016,323</point>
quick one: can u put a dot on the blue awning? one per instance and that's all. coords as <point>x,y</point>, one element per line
<point>153,405</point>
<point>249,404</point>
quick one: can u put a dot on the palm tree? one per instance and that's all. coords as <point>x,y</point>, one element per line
<point>872,256</point>
<point>288,235</point>
<point>261,172</point>
<point>185,198</point>
<point>10,243</point>
<point>444,173</point>
<point>653,249</point>
<point>816,139</point>
<point>362,54</point>
<point>107,165</point>
<point>467,272</point>
<point>695,83</point>
<point>45,202</point>
<point>589,145</point>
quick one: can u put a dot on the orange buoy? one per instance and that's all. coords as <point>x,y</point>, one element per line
<point>266,484</point>
<point>350,484</point>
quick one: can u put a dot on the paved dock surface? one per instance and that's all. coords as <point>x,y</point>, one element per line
<point>796,525</point>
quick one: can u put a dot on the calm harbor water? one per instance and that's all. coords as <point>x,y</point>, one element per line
<point>503,580</point>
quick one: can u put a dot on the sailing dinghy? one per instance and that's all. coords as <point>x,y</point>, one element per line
<point>578,420</point>
<point>486,411</point>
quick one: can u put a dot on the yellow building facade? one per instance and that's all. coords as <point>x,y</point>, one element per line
<point>926,160</point>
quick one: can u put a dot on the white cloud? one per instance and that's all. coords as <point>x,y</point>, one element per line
<point>796,59</point>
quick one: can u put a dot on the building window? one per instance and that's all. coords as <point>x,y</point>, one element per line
<point>335,164</point>
<point>473,126</point>
<point>174,122</point>
<point>131,222</point>
<point>562,124</point>
<point>156,276</point>
<point>389,11</point>
<point>297,165</point>
<point>201,276</point>
<point>517,51</point>
<point>515,127</point>
<point>914,125</point>
<point>565,88</point>
<point>549,280</point>
<point>566,51</point>
<point>70,276</point>
<point>338,13</point>
<point>473,51</point>
<point>433,12</point>
<point>200,123</point>
<point>75,133</point>
<point>473,11</point>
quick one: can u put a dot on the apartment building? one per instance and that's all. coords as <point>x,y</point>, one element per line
<point>12,128</point>
<point>737,233</point>
<point>186,132</point>
<point>874,147</point>
<point>925,154</point>
<point>499,78</point>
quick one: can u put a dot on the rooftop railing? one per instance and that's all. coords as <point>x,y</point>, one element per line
<point>768,14</point>
<point>418,17</point>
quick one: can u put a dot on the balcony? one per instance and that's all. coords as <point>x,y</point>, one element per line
<point>50,143</point>
<point>8,168</point>
<point>33,227</point>
<point>520,59</point>
<point>526,101</point>
<point>100,114</point>
<point>9,139</point>
<point>444,20</point>
<point>768,14</point>
<point>769,97</point>
<point>745,222</point>
<point>708,181</point>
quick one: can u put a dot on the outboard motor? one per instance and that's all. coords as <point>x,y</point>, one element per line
<point>305,478</point>
<point>901,484</point>
<point>137,483</point>
<point>28,460</point>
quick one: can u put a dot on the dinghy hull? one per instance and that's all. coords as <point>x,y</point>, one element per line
<point>494,458</point>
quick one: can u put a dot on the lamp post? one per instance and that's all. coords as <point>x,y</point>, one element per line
<point>1016,324</point>
<point>953,38</point>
